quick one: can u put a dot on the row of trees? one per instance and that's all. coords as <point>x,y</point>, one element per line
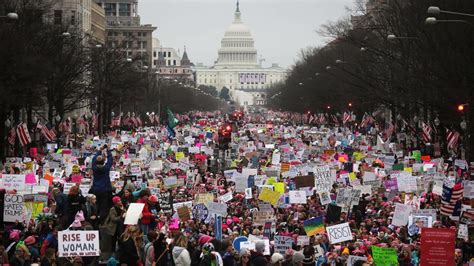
<point>49,70</point>
<point>388,56</point>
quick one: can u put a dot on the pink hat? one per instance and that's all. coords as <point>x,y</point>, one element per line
<point>15,235</point>
<point>153,198</point>
<point>204,239</point>
<point>30,240</point>
<point>116,199</point>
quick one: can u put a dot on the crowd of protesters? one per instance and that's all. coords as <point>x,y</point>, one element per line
<point>165,169</point>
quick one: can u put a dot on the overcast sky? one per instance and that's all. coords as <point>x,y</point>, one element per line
<point>281,28</point>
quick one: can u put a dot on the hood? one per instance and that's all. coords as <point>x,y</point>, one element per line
<point>177,251</point>
<point>100,168</point>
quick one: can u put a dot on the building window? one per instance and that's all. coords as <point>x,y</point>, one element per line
<point>58,17</point>
<point>174,62</point>
<point>144,34</point>
<point>168,62</point>
<point>154,62</point>
<point>73,17</point>
<point>124,10</point>
<point>154,53</point>
<point>169,54</point>
<point>110,9</point>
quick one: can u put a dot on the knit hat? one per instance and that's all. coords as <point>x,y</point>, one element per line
<point>15,235</point>
<point>116,199</point>
<point>153,198</point>
<point>276,257</point>
<point>30,240</point>
<point>76,224</point>
<point>297,257</point>
<point>204,239</point>
<point>260,247</point>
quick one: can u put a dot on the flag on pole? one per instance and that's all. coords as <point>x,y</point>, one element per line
<point>450,198</point>
<point>426,132</point>
<point>46,132</point>
<point>23,134</point>
<point>452,139</point>
<point>172,121</point>
<point>346,117</point>
<point>12,136</point>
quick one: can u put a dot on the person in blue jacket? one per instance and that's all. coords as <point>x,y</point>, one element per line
<point>101,186</point>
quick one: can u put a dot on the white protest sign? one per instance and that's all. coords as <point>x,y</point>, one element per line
<point>78,243</point>
<point>133,213</point>
<point>114,175</point>
<point>406,182</point>
<point>297,196</point>
<point>226,197</point>
<point>353,259</point>
<point>283,243</point>
<point>217,208</point>
<point>324,197</point>
<point>13,182</point>
<point>14,208</point>
<point>170,181</point>
<point>248,193</point>
<point>302,241</point>
<point>339,233</point>
<point>402,212</point>
<point>322,178</point>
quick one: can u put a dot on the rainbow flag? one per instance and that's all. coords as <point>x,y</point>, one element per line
<point>314,226</point>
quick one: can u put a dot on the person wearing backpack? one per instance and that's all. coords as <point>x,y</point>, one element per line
<point>149,250</point>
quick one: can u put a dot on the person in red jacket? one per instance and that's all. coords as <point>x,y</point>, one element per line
<point>147,215</point>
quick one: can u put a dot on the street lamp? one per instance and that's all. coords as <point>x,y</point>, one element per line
<point>435,10</point>
<point>316,74</point>
<point>66,34</point>
<point>393,37</point>
<point>363,49</point>
<point>301,84</point>
<point>12,15</point>
<point>8,123</point>
<point>433,21</point>
<point>328,67</point>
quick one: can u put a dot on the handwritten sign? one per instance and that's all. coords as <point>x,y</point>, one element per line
<point>13,182</point>
<point>165,201</point>
<point>297,196</point>
<point>14,208</point>
<point>384,256</point>
<point>217,208</point>
<point>283,243</point>
<point>270,196</point>
<point>437,246</point>
<point>339,233</point>
<point>322,178</point>
<point>78,243</point>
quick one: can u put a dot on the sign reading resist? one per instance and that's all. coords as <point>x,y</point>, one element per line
<point>339,233</point>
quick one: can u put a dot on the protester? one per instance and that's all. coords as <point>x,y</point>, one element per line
<point>180,253</point>
<point>101,186</point>
<point>130,245</point>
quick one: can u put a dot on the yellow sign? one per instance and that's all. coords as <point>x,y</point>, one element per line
<point>271,181</point>
<point>75,169</point>
<point>204,198</point>
<point>179,155</point>
<point>358,155</point>
<point>279,187</point>
<point>270,196</point>
<point>408,170</point>
<point>352,176</point>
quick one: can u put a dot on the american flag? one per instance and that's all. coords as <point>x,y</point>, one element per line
<point>334,119</point>
<point>94,122</point>
<point>322,119</point>
<point>139,121</point>
<point>23,134</point>
<point>346,117</point>
<point>116,121</point>
<point>311,118</point>
<point>366,120</point>
<point>48,134</point>
<point>426,132</point>
<point>452,139</point>
<point>12,136</point>
<point>450,198</point>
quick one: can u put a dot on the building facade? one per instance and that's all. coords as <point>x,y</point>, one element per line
<point>73,13</point>
<point>170,66</point>
<point>123,29</point>
<point>237,67</point>
<point>98,23</point>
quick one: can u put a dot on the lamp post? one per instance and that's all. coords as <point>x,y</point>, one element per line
<point>393,37</point>
<point>435,10</point>
<point>433,21</point>
<point>12,16</point>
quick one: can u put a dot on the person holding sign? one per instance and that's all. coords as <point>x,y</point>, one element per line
<point>101,186</point>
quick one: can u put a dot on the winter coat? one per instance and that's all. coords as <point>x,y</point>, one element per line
<point>147,216</point>
<point>101,174</point>
<point>181,256</point>
<point>128,253</point>
<point>257,259</point>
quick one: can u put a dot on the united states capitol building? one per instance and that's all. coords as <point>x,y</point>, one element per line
<point>238,68</point>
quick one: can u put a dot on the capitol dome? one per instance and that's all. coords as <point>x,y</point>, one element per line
<point>237,47</point>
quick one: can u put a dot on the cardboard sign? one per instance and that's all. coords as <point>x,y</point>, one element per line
<point>165,201</point>
<point>302,241</point>
<point>134,213</point>
<point>200,212</point>
<point>78,243</point>
<point>353,259</point>
<point>385,256</point>
<point>437,246</point>
<point>170,182</point>
<point>339,233</point>
<point>14,208</point>
<point>217,208</point>
<point>204,198</point>
<point>226,197</point>
<point>183,213</point>
<point>304,181</point>
<point>283,243</point>
<point>261,217</point>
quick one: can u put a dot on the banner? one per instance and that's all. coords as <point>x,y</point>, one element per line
<point>339,233</point>
<point>283,243</point>
<point>314,226</point>
<point>322,179</point>
<point>270,196</point>
<point>385,256</point>
<point>437,246</point>
<point>78,243</point>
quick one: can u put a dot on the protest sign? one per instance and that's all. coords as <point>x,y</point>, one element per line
<point>437,246</point>
<point>200,212</point>
<point>406,182</point>
<point>400,217</point>
<point>322,178</point>
<point>353,259</point>
<point>134,212</point>
<point>282,243</point>
<point>344,197</point>
<point>226,197</point>
<point>248,193</point>
<point>204,198</point>
<point>263,216</point>
<point>13,182</point>
<point>183,213</point>
<point>14,209</point>
<point>339,233</point>
<point>324,197</point>
<point>355,196</point>
<point>241,183</point>
<point>170,182</point>
<point>425,212</point>
<point>384,256</point>
<point>165,201</point>
<point>217,208</point>
<point>270,196</point>
<point>304,181</point>
<point>333,213</point>
<point>297,196</point>
<point>78,243</point>
<point>302,241</point>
